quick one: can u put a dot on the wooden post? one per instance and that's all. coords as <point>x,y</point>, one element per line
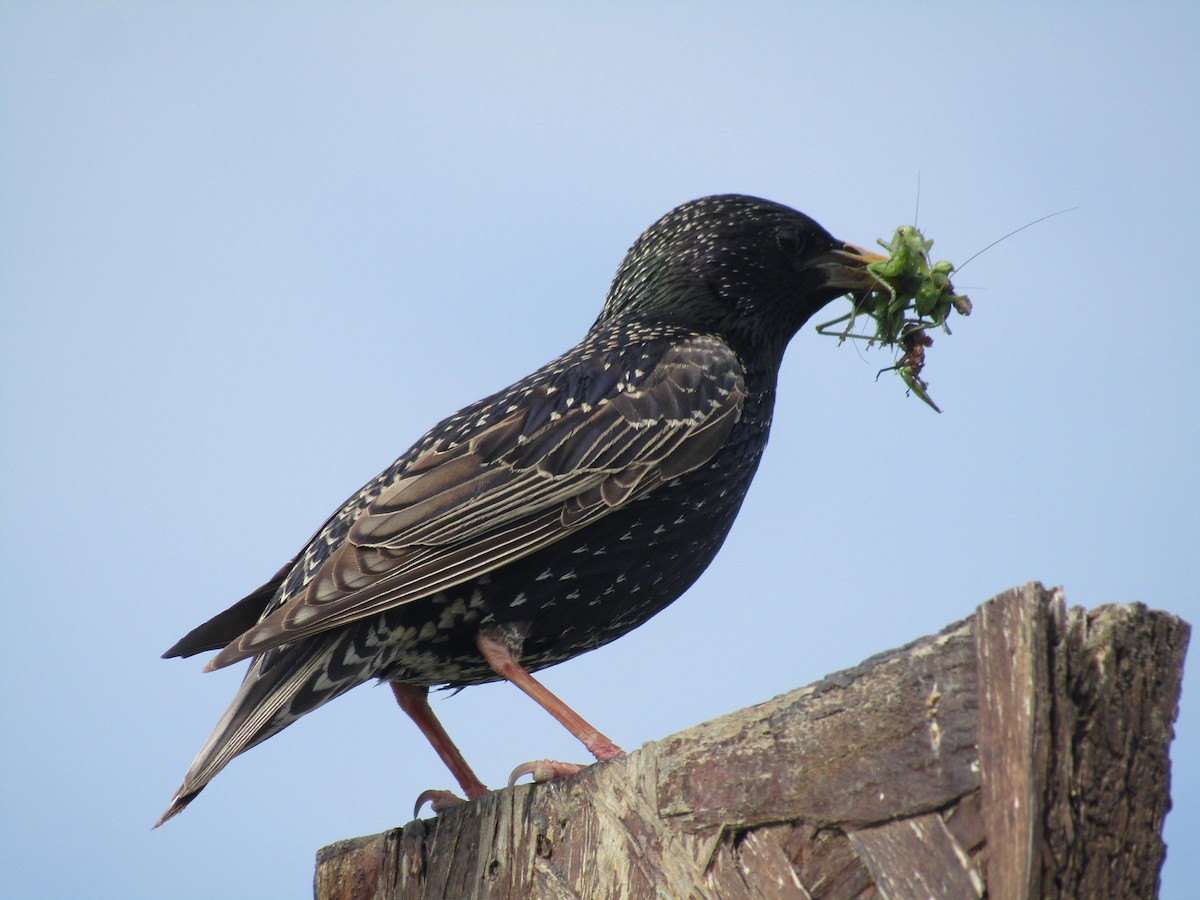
<point>1019,753</point>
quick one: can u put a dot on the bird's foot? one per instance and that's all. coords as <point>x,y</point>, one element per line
<point>439,800</point>
<point>544,770</point>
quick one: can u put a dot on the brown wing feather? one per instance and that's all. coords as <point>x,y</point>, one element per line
<point>463,511</point>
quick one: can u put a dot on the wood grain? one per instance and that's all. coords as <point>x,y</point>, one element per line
<point>1022,752</point>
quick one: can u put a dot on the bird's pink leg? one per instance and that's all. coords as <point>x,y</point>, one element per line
<point>502,661</point>
<point>415,702</point>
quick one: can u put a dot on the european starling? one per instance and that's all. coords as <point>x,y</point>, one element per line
<point>554,516</point>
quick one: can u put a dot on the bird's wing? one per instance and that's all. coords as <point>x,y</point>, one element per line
<point>461,510</point>
<point>228,625</point>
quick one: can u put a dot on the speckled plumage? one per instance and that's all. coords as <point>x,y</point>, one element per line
<point>566,509</point>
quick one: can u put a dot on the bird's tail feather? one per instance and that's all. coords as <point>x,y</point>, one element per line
<point>278,689</point>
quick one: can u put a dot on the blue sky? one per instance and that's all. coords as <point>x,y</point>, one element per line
<point>248,253</point>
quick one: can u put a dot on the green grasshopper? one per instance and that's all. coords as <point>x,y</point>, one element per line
<point>905,282</point>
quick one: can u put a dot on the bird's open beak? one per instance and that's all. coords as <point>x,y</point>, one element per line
<point>845,268</point>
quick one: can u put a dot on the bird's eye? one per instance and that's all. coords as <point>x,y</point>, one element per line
<point>789,240</point>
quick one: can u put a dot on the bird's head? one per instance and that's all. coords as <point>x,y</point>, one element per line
<point>747,269</point>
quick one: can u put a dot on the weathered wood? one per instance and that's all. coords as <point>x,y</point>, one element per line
<point>917,857</point>
<point>1019,753</point>
<point>1014,726</point>
<point>1117,673</point>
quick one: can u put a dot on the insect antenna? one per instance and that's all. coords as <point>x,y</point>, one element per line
<point>1014,231</point>
<point>917,207</point>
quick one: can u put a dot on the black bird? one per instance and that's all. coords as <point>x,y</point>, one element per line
<point>554,516</point>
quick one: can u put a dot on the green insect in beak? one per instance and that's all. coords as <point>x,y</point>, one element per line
<point>906,282</point>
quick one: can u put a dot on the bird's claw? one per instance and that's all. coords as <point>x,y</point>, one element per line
<point>544,770</point>
<point>439,800</point>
